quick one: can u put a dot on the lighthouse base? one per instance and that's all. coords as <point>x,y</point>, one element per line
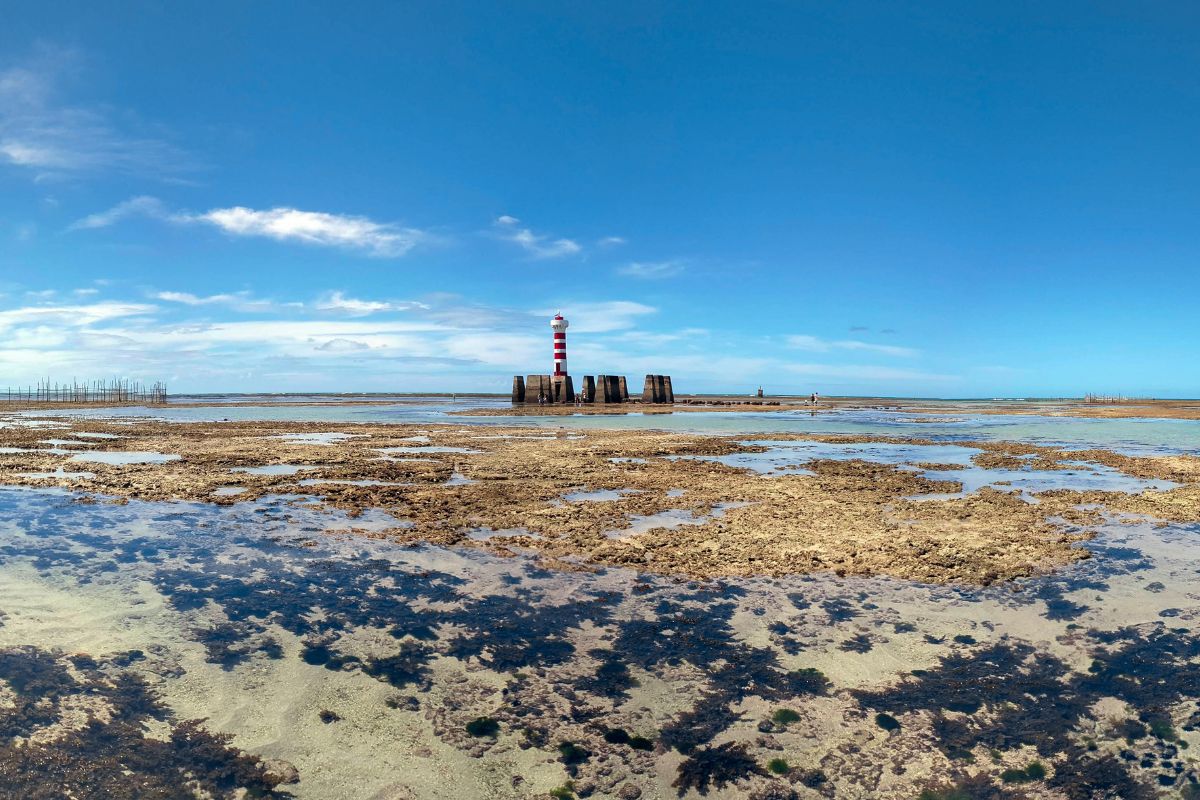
<point>548,389</point>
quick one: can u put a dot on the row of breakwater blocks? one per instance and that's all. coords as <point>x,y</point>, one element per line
<point>542,389</point>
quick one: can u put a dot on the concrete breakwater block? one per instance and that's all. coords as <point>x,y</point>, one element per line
<point>658,389</point>
<point>609,389</point>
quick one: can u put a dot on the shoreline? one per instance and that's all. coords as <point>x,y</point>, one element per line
<point>931,407</point>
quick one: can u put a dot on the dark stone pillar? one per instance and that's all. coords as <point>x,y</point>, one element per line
<point>589,389</point>
<point>562,389</point>
<point>608,389</point>
<point>538,386</point>
<point>518,395</point>
<point>649,395</point>
<point>622,389</point>
<point>668,392</point>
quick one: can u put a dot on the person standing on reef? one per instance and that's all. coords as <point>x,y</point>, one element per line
<point>813,399</point>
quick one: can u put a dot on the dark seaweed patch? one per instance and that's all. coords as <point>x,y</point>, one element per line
<point>716,767</point>
<point>887,722</point>
<point>483,726</point>
<point>612,678</point>
<point>857,644</point>
<point>113,758</point>
<point>403,668</point>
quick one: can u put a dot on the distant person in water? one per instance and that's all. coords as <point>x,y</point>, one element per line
<point>813,399</point>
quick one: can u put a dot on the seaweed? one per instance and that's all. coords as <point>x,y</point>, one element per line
<point>783,716</point>
<point>111,758</point>
<point>1031,773</point>
<point>483,726</point>
<point>406,667</point>
<point>616,736</point>
<point>717,767</point>
<point>612,678</point>
<point>572,755</point>
<point>857,644</point>
<point>887,722</point>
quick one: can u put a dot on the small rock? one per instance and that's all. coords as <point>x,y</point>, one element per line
<point>629,792</point>
<point>280,771</point>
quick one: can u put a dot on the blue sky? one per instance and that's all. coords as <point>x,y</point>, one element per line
<point>944,199</point>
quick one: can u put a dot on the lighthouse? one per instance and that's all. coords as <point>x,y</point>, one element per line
<point>559,326</point>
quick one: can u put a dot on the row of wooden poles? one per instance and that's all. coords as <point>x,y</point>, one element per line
<point>117,390</point>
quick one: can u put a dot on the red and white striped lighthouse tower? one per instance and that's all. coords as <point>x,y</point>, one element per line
<point>559,326</point>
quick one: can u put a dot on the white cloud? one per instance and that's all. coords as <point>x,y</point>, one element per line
<point>342,346</point>
<point>189,299</point>
<point>815,344</point>
<point>316,227</point>
<point>380,239</point>
<point>611,241</point>
<point>338,302</point>
<point>538,246</point>
<point>239,301</point>
<point>41,132</point>
<point>651,270</point>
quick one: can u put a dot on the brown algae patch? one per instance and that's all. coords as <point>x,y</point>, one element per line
<point>851,517</point>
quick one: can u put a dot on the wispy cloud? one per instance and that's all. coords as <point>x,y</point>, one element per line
<point>142,206</point>
<point>72,315</point>
<point>651,270</point>
<point>189,299</point>
<point>602,317</point>
<point>379,239</point>
<point>814,344</point>
<point>538,246</point>
<point>42,132</point>
<point>338,302</point>
<point>317,228</point>
<point>864,373</point>
<point>238,301</point>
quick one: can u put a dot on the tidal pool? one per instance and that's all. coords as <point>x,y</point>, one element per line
<point>789,458</point>
<point>367,669</point>
<point>117,458</point>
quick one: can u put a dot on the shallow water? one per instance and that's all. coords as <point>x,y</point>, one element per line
<point>789,458</point>
<point>118,458</point>
<point>274,469</point>
<point>362,662</point>
<point>1131,436</point>
<point>263,620</point>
